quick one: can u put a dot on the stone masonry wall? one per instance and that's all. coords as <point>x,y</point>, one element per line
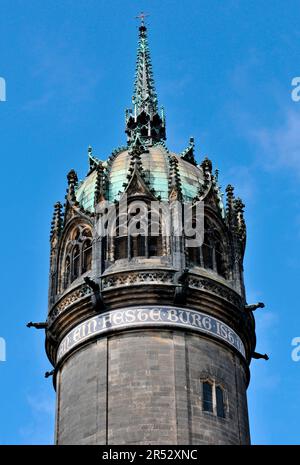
<point>144,387</point>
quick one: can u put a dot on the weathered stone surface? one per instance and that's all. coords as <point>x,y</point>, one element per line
<point>144,387</point>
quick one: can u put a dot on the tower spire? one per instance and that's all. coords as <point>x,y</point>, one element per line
<point>144,118</point>
<point>144,96</point>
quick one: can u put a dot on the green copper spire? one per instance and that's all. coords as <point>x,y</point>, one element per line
<point>144,97</point>
<point>144,119</point>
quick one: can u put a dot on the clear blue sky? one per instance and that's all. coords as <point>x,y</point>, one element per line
<point>223,72</point>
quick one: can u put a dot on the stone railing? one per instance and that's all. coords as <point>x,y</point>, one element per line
<point>70,298</point>
<point>143,278</point>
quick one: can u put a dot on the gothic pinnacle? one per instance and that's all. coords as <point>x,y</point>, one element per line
<point>229,203</point>
<point>57,221</point>
<point>72,183</point>
<point>175,191</point>
<point>99,186</point>
<point>72,177</point>
<point>206,166</point>
<point>188,153</point>
<point>241,225</point>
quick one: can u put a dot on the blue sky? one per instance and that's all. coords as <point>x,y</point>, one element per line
<point>223,71</point>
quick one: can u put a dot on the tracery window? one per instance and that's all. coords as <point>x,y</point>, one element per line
<point>142,242</point>
<point>78,255</point>
<point>212,255</point>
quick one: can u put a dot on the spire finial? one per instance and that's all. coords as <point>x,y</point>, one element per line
<point>142,17</point>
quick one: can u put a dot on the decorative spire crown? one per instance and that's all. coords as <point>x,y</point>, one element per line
<point>144,118</point>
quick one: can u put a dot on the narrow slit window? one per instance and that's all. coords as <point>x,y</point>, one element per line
<point>207,251</point>
<point>87,256</point>
<point>67,278</point>
<point>220,402</point>
<point>207,397</point>
<point>138,246</point>
<point>76,262</point>
<point>121,247</point>
<point>194,255</point>
<point>220,260</point>
<point>103,250</point>
<point>155,246</point>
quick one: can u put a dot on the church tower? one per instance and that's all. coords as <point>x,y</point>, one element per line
<point>149,332</point>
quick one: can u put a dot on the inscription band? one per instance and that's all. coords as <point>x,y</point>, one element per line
<point>152,316</point>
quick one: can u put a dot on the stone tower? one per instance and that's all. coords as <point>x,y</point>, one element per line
<point>150,337</point>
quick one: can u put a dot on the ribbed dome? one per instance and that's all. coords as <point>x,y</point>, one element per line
<point>156,166</point>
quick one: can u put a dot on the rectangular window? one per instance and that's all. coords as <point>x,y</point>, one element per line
<point>220,402</point>
<point>207,397</point>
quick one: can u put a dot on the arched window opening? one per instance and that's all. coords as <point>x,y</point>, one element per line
<point>155,246</point>
<point>220,260</point>
<point>220,402</point>
<point>76,262</point>
<point>137,230</point>
<point>212,254</point>
<point>87,256</point>
<point>138,246</point>
<point>77,255</point>
<point>143,237</point>
<point>207,252</point>
<point>53,283</point>
<point>121,247</point>
<point>207,396</point>
<point>67,276</point>
<point>194,255</point>
<point>103,251</point>
<point>155,238</point>
<point>121,239</point>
